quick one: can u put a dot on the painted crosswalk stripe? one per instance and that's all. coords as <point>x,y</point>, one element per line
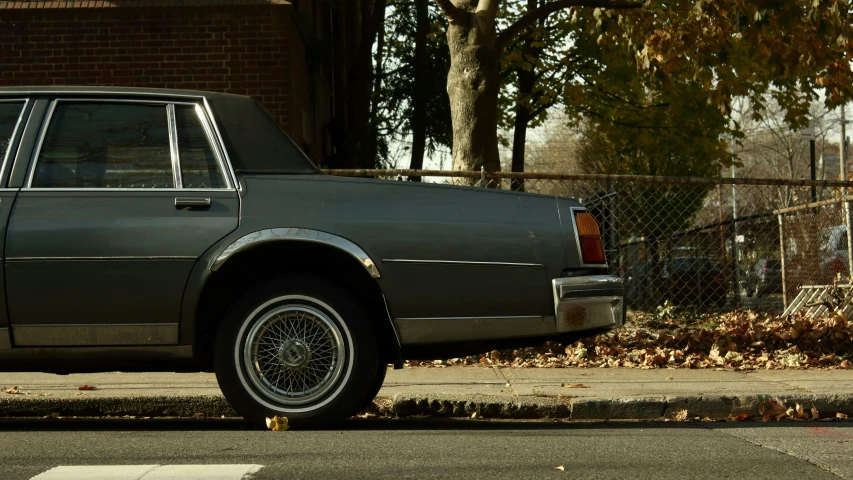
<point>150,472</point>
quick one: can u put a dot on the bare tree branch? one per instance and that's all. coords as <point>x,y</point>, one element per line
<point>489,7</point>
<point>522,23</point>
<point>451,11</point>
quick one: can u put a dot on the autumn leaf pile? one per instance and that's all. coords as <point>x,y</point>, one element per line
<point>740,340</point>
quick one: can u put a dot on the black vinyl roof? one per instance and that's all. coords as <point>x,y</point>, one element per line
<point>255,142</point>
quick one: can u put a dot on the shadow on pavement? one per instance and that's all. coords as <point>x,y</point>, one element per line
<point>437,424</point>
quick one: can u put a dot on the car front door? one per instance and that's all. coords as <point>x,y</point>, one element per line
<point>120,200</point>
<point>13,113</point>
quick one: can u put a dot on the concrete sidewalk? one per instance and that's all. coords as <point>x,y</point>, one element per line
<point>456,391</point>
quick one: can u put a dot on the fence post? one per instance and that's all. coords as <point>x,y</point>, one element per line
<point>782,261</point>
<point>483,177</point>
<point>848,221</point>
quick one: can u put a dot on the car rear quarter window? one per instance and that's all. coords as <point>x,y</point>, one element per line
<point>199,166</point>
<point>10,113</point>
<point>105,145</point>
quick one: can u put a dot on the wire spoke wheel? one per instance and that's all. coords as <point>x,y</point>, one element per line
<point>294,354</point>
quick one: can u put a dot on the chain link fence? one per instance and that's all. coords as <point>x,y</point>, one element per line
<point>703,244</point>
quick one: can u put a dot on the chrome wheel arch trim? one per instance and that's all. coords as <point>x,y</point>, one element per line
<point>299,235</point>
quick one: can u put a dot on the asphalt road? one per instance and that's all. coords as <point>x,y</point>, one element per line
<point>434,449</point>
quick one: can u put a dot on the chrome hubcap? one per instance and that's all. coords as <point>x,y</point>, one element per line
<point>294,354</point>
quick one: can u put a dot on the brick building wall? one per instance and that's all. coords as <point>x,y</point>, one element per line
<point>247,47</point>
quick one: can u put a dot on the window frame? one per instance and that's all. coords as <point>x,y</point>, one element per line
<point>169,104</point>
<point>15,131</point>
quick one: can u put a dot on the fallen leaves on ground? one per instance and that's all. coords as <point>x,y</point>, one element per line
<point>573,385</point>
<point>87,387</point>
<point>739,340</point>
<point>14,391</point>
<point>277,424</point>
<point>680,415</point>
<point>743,417</point>
<point>775,409</point>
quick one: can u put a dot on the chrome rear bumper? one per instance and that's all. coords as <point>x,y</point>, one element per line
<point>580,303</point>
<point>587,303</point>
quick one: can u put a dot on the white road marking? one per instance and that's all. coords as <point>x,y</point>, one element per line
<point>97,472</point>
<point>150,472</point>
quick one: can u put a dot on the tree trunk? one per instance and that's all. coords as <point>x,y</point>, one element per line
<point>360,85</point>
<point>519,142</point>
<point>378,73</point>
<point>523,113</point>
<point>472,85</point>
<point>419,90</point>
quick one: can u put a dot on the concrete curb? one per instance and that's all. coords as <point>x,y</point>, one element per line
<point>406,405</point>
<point>162,406</point>
<point>650,408</point>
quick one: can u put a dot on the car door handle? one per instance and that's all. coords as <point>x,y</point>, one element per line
<point>192,203</point>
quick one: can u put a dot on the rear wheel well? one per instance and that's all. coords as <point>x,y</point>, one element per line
<point>258,264</point>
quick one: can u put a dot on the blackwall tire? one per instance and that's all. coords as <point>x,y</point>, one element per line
<point>297,347</point>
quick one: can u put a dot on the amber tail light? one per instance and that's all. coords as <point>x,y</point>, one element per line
<point>592,249</point>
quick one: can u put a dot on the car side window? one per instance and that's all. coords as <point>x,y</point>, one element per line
<point>199,166</point>
<point>10,112</point>
<point>105,145</point>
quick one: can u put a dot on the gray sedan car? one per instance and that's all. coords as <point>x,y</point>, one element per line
<point>163,230</point>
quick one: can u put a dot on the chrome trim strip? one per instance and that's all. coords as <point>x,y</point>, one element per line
<point>38,92</point>
<point>296,234</point>
<point>5,339</point>
<point>459,329</point>
<point>208,131</point>
<point>26,102</point>
<point>52,359</point>
<point>173,141</point>
<point>49,335</point>
<point>173,146</point>
<point>220,143</point>
<point>456,262</point>
<point>119,100</point>
<point>597,281</point>
<point>126,189</point>
<point>98,259</point>
<point>39,141</point>
<point>574,211</point>
<point>565,287</point>
<point>18,151</point>
<point>507,317</point>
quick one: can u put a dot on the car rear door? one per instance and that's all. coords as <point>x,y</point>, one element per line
<point>120,199</point>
